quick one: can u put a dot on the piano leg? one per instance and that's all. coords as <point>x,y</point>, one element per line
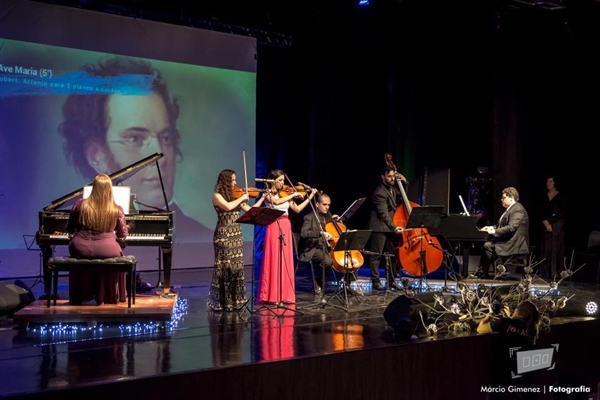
<point>466,251</point>
<point>47,252</point>
<point>167,253</point>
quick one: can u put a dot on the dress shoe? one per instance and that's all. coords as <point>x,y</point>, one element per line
<point>393,285</point>
<point>377,286</point>
<point>481,275</point>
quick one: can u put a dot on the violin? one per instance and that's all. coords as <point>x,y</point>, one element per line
<point>287,190</point>
<point>238,191</point>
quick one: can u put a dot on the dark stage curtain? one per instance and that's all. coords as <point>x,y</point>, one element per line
<point>459,85</point>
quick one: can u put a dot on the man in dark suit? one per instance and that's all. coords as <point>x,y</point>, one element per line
<point>384,202</point>
<point>316,240</point>
<point>510,236</point>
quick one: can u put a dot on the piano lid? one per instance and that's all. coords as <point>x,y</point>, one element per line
<point>116,177</point>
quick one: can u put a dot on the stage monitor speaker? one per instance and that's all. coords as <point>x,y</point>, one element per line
<point>436,188</point>
<point>14,296</point>
<point>406,315</point>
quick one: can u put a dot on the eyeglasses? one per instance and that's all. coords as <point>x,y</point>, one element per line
<point>136,140</point>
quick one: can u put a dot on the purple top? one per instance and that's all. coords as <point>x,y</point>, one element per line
<point>86,242</point>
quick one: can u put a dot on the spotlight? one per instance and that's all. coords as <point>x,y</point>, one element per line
<point>591,308</point>
<point>363,2</point>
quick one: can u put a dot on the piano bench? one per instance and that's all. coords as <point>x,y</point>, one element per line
<point>516,261</point>
<point>120,264</point>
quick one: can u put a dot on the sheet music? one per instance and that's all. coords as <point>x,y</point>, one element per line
<point>463,205</point>
<point>120,193</point>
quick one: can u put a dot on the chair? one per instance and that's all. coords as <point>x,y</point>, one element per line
<point>590,256</point>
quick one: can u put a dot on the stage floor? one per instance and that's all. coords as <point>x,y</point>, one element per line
<point>147,308</point>
<point>73,346</point>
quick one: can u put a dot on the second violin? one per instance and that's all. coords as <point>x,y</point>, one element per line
<point>287,190</point>
<point>238,191</point>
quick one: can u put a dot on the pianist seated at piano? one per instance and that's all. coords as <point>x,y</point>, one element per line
<point>97,229</point>
<point>509,237</point>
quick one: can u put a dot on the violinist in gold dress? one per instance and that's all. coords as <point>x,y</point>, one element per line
<point>228,287</point>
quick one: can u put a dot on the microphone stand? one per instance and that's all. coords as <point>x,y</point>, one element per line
<point>448,260</point>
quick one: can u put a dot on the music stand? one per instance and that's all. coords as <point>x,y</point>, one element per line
<point>29,245</point>
<point>257,216</point>
<point>425,217</point>
<point>422,218</point>
<point>346,215</point>
<point>349,241</point>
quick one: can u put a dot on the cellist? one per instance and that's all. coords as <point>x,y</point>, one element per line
<point>384,237</point>
<point>316,239</point>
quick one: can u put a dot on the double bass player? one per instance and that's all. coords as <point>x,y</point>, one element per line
<point>384,236</point>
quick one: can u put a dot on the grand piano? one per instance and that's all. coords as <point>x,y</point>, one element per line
<point>146,228</point>
<point>460,229</point>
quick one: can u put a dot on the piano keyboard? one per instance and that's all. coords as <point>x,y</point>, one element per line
<point>133,237</point>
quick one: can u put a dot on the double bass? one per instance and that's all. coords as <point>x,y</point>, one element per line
<point>419,253</point>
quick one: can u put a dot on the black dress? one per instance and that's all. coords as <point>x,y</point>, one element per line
<point>552,244</point>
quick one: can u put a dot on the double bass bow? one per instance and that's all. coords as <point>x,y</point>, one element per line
<point>419,253</point>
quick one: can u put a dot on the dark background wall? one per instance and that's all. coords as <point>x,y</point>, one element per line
<point>506,85</point>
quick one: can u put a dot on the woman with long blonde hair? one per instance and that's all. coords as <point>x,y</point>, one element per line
<point>97,229</point>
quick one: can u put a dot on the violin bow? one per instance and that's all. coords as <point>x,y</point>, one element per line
<point>245,171</point>
<point>290,182</point>
<point>314,210</point>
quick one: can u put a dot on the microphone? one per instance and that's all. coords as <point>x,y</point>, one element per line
<point>264,180</point>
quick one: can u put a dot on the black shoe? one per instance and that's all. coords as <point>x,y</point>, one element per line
<point>481,275</point>
<point>378,286</point>
<point>393,285</point>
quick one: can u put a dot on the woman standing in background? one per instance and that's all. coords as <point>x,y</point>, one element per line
<point>552,241</point>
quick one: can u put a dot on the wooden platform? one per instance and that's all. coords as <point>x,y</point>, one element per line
<point>146,308</point>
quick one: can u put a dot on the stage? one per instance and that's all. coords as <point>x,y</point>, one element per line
<point>334,347</point>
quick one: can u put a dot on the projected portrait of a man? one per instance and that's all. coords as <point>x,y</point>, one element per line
<point>106,132</point>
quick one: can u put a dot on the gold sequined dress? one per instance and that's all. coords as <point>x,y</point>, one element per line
<point>228,286</point>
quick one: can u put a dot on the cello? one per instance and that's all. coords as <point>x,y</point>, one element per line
<point>419,253</point>
<point>342,262</point>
